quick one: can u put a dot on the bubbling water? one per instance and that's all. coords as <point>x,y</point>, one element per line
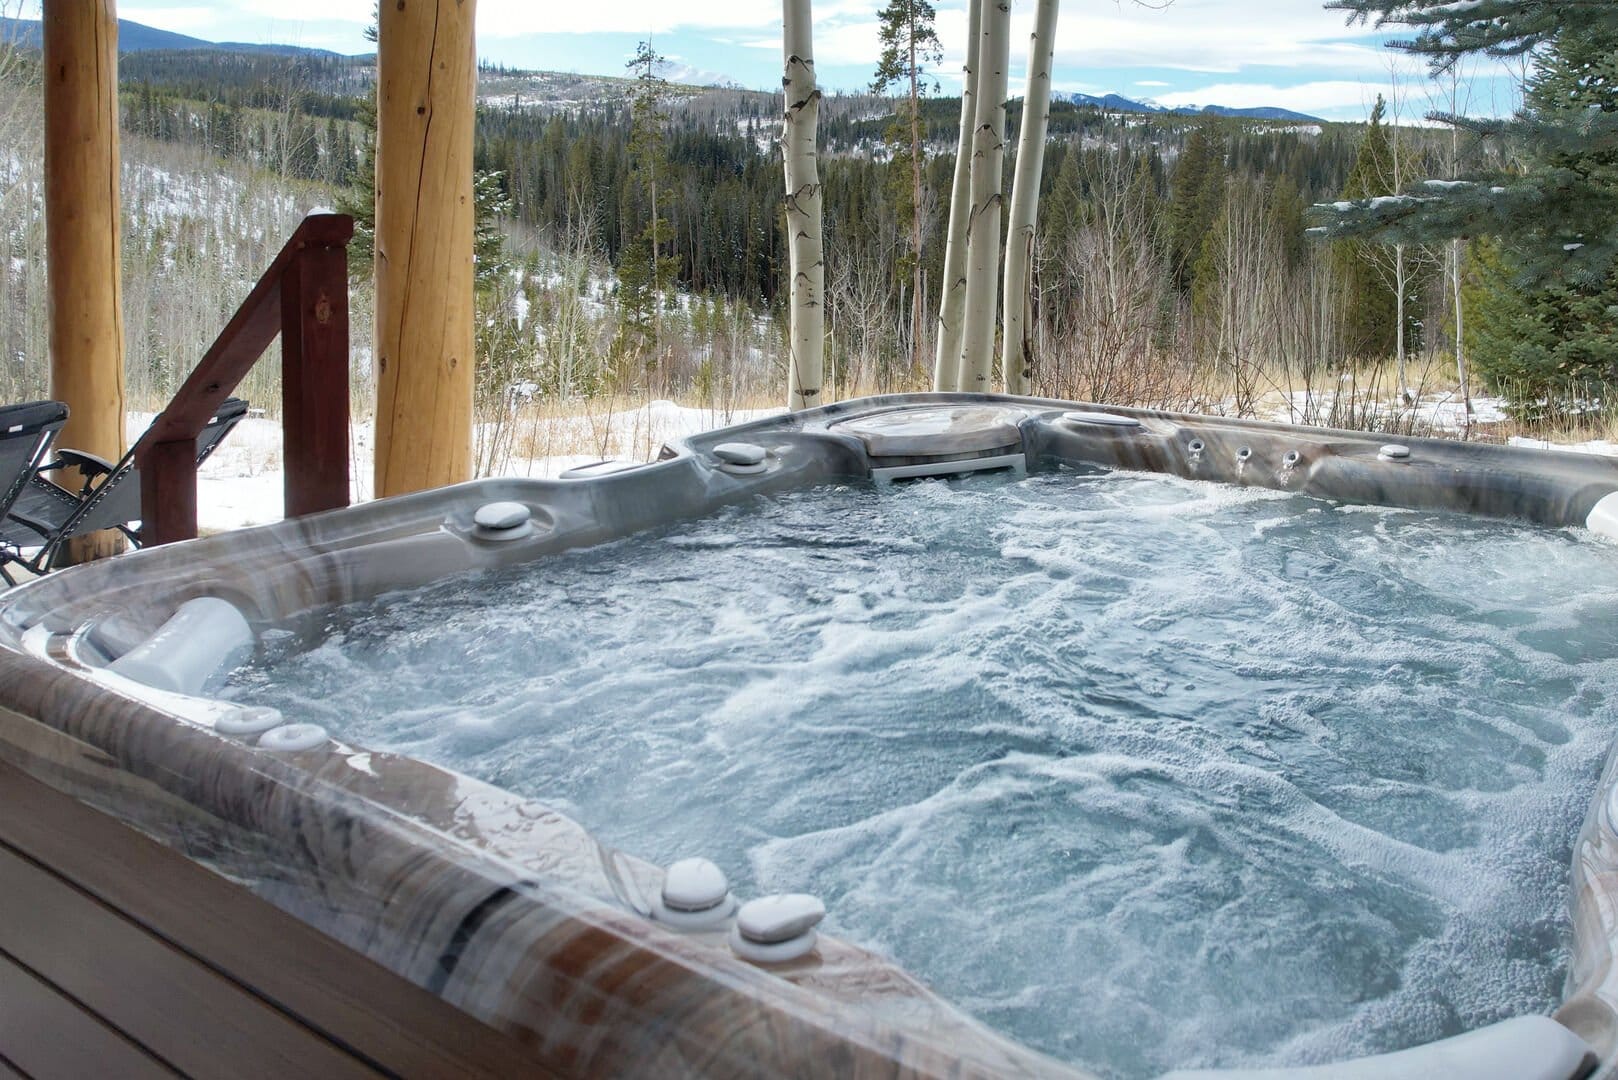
<point>1144,772</point>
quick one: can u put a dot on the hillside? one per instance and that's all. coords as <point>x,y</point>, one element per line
<point>1119,103</point>
<point>137,37</point>
<point>1211,297</point>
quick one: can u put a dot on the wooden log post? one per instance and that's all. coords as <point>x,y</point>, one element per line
<point>303,297</point>
<point>314,379</point>
<point>426,94</point>
<point>82,235</point>
<point>168,491</point>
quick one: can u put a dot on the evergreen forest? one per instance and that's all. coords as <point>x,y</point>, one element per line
<point>1173,264</point>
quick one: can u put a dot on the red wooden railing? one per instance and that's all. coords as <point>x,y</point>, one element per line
<point>303,296</point>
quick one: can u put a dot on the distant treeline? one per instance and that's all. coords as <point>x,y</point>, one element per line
<point>724,188</point>
<point>1195,189</point>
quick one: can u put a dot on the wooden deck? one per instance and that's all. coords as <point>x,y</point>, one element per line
<point>119,957</point>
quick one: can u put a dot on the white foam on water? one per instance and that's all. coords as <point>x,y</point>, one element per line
<point>1145,772</point>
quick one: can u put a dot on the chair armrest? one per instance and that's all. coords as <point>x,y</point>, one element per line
<point>87,463</point>
<point>92,467</point>
<point>43,528</point>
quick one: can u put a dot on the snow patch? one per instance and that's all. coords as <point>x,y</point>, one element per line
<point>241,483</point>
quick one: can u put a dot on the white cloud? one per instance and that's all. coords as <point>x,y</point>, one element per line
<point>1214,36</point>
<point>675,70</point>
<point>296,11</point>
<point>179,20</point>
<point>1150,82</point>
<point>510,18</point>
<point>851,43</point>
<point>1208,45</point>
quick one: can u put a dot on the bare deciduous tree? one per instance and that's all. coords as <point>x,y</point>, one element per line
<point>1117,289</point>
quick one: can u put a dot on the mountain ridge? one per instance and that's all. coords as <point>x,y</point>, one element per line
<point>138,37</point>
<point>1118,103</point>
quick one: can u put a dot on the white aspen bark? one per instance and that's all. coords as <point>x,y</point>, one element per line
<point>983,228</point>
<point>657,279</point>
<point>1455,257</point>
<point>1398,249</point>
<point>806,341</point>
<point>1460,350</point>
<point>952,304</point>
<point>1017,365</point>
<point>915,208</point>
<point>1399,307</point>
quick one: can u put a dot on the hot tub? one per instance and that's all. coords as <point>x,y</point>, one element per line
<point>539,931</point>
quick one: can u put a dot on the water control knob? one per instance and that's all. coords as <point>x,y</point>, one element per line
<point>502,521</point>
<point>775,929</point>
<point>695,896</point>
<point>739,453</point>
<point>249,720</point>
<point>742,459</point>
<point>293,737</point>
<point>694,885</point>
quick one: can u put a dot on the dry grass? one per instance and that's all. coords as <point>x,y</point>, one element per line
<point>625,426</point>
<point>1590,427</point>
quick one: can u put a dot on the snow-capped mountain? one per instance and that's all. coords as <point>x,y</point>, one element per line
<point>1119,103</point>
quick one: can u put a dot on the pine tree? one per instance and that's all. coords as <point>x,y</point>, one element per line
<point>645,274</point>
<point>1371,319</point>
<point>1551,342</point>
<point>359,201</point>
<point>1560,215</point>
<point>490,204</point>
<point>1196,199</point>
<point>909,44</point>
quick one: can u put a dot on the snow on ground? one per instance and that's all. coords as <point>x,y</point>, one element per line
<point>241,483</point>
<point>1593,446</point>
<point>1441,412</point>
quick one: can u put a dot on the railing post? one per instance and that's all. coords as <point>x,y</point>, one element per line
<point>314,379</point>
<point>168,491</point>
<point>303,297</point>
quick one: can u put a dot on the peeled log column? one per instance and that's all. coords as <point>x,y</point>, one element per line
<point>82,234</point>
<point>426,92</point>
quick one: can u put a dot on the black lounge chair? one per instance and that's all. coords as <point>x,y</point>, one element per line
<point>45,515</point>
<point>26,434</point>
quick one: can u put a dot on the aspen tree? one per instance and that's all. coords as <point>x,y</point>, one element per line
<point>952,302</point>
<point>983,227</point>
<point>1017,364</point>
<point>806,341</point>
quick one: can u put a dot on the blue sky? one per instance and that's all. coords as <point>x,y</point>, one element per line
<point>1288,53</point>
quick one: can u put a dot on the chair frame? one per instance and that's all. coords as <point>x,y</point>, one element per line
<point>100,478</point>
<point>44,432</point>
